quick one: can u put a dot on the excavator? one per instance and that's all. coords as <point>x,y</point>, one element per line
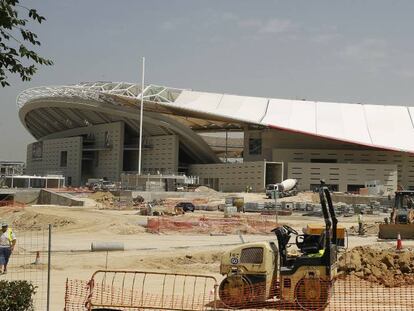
<point>260,272</point>
<point>401,220</point>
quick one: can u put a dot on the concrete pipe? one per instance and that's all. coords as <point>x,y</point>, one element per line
<point>107,246</point>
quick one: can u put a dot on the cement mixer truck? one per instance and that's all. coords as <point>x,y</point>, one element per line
<point>286,188</point>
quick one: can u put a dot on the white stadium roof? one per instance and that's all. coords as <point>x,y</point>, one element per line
<point>378,126</point>
<point>388,127</point>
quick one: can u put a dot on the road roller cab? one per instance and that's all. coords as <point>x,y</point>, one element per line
<point>256,272</point>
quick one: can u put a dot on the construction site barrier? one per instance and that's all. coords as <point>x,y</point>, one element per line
<point>145,290</point>
<point>248,225</point>
<point>12,204</point>
<point>76,295</point>
<point>29,261</point>
<point>345,294</point>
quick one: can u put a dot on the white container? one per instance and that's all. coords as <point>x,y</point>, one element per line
<point>229,211</point>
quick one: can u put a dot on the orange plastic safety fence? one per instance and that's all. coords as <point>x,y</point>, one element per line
<point>76,295</point>
<point>130,290</point>
<point>346,294</point>
<point>250,225</point>
<point>10,203</point>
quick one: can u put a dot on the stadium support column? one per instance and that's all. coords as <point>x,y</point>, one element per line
<point>141,117</point>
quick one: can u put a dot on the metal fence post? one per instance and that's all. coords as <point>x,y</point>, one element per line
<point>49,251</point>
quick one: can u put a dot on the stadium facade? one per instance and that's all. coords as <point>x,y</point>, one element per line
<point>91,130</point>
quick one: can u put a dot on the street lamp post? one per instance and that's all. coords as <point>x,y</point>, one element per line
<point>141,117</point>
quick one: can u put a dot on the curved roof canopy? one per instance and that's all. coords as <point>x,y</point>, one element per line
<point>377,126</point>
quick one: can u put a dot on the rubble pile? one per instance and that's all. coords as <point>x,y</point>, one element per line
<point>383,266</point>
<point>102,197</point>
<point>109,200</point>
<point>138,200</point>
<point>164,207</point>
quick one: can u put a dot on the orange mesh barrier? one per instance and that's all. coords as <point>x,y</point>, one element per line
<point>76,295</point>
<point>345,294</point>
<point>150,290</point>
<point>248,225</point>
<point>12,204</point>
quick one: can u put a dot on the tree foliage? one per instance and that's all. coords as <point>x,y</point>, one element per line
<point>17,41</point>
<point>16,295</point>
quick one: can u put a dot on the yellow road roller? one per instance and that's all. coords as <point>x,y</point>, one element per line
<point>260,273</point>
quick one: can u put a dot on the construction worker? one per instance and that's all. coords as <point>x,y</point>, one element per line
<point>360,223</point>
<point>7,243</point>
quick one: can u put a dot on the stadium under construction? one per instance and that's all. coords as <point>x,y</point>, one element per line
<point>228,142</point>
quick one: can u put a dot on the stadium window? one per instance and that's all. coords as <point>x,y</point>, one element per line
<point>324,160</point>
<point>255,146</point>
<point>333,187</point>
<point>63,159</point>
<point>106,139</point>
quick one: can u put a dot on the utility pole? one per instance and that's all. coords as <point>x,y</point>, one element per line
<point>49,256</point>
<point>141,117</point>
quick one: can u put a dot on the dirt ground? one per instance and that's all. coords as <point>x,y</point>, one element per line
<point>74,229</point>
<point>379,265</point>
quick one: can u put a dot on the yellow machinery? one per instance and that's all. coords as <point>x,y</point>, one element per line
<point>257,272</point>
<point>401,220</point>
<point>316,230</point>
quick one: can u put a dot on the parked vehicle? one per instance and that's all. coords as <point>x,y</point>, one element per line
<point>286,188</point>
<point>186,206</point>
<point>98,184</point>
<point>108,185</point>
<point>401,220</point>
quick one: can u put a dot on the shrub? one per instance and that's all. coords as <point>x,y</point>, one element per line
<point>16,295</point>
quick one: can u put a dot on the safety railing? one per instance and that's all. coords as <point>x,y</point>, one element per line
<point>151,290</point>
<point>132,290</point>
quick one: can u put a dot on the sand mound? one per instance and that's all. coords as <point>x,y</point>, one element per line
<point>204,189</point>
<point>386,267</point>
<point>102,197</point>
<point>126,228</point>
<point>24,220</point>
<point>369,229</point>
<point>202,262</point>
<point>302,197</point>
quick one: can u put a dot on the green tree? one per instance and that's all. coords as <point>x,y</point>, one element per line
<point>16,295</point>
<point>17,41</point>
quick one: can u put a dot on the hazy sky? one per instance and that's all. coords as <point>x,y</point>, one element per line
<point>346,51</point>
